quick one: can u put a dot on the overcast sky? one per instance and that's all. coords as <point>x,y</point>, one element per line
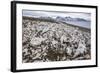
<point>31,13</point>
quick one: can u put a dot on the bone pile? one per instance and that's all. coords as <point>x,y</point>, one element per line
<point>44,41</point>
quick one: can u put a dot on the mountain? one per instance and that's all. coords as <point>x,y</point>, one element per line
<point>69,18</point>
<point>74,21</point>
<point>58,18</point>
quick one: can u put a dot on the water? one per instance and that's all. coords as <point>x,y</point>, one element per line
<point>86,24</point>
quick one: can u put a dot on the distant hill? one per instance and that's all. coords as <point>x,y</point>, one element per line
<point>55,20</point>
<point>59,19</point>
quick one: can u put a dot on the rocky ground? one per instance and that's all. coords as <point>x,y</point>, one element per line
<point>44,41</point>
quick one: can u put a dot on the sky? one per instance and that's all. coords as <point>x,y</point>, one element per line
<point>33,13</point>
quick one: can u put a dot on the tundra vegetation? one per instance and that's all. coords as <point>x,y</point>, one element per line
<point>49,40</point>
